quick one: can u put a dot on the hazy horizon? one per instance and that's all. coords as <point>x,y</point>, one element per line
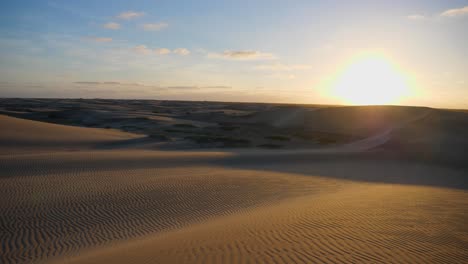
<point>309,52</point>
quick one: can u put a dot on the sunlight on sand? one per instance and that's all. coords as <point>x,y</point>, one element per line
<point>369,184</point>
<point>370,79</point>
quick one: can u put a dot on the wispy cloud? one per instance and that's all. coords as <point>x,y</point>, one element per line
<point>162,51</point>
<point>128,15</point>
<point>455,12</point>
<point>87,83</point>
<point>416,17</point>
<point>100,39</point>
<point>450,13</point>
<point>155,26</point>
<point>133,84</point>
<point>111,83</point>
<point>277,67</point>
<point>194,87</point>
<point>242,55</point>
<point>111,25</point>
<point>142,49</point>
<point>217,87</point>
<point>182,87</point>
<point>181,51</point>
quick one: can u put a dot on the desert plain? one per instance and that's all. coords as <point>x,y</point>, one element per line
<point>145,181</point>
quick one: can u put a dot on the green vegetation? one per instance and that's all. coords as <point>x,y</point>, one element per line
<point>226,141</point>
<point>270,146</point>
<point>159,137</point>
<point>278,138</point>
<point>53,115</point>
<point>229,128</point>
<point>171,130</point>
<point>129,127</point>
<point>183,125</point>
<point>324,137</point>
<point>327,141</point>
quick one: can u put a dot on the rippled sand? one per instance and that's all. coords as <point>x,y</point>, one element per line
<point>61,202</point>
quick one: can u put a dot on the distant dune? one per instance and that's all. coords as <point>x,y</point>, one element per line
<point>347,185</point>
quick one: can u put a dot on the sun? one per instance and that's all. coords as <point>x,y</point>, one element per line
<point>370,79</point>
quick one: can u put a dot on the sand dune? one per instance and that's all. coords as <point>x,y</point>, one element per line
<point>19,136</point>
<point>354,120</point>
<point>358,224</point>
<point>89,199</point>
<point>193,212</point>
<point>439,137</point>
<point>69,198</point>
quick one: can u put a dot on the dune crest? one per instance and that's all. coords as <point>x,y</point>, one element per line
<point>93,195</point>
<point>28,136</point>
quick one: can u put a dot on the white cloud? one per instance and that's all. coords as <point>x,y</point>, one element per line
<point>181,51</point>
<point>142,49</point>
<point>130,15</point>
<point>282,67</point>
<point>455,12</point>
<point>242,55</point>
<point>155,26</point>
<point>100,39</point>
<point>416,17</point>
<point>111,25</point>
<point>162,51</point>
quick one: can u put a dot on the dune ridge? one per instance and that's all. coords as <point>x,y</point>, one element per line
<point>70,198</point>
<point>28,136</point>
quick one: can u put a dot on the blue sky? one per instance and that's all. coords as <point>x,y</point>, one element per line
<point>271,51</point>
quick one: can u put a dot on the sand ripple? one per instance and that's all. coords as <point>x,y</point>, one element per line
<point>57,205</point>
<point>364,223</point>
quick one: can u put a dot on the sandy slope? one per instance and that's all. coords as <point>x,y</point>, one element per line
<point>138,206</point>
<point>20,136</point>
<point>357,224</point>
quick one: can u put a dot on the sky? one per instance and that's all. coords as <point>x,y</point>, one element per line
<point>245,50</point>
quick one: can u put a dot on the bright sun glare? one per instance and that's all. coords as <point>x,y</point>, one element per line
<point>371,79</point>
